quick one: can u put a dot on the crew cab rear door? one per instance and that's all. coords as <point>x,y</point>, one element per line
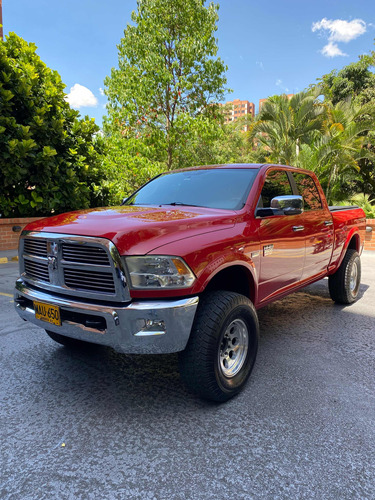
<point>282,239</point>
<point>318,225</point>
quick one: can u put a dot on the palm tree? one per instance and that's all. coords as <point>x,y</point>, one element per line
<point>334,155</point>
<point>284,125</point>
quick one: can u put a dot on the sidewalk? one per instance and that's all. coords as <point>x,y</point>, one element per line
<point>8,256</point>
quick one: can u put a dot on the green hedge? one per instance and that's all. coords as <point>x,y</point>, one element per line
<point>50,160</point>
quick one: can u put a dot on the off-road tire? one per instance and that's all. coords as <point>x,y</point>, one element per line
<point>344,284</point>
<point>202,363</point>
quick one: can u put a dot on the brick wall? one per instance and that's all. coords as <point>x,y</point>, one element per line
<point>8,237</point>
<point>370,236</point>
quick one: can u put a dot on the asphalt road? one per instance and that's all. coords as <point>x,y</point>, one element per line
<point>101,425</point>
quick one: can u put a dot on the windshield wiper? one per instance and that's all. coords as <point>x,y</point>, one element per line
<point>181,204</point>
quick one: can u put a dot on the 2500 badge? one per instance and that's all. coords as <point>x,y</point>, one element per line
<point>47,312</point>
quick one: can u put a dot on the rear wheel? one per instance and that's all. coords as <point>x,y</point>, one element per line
<point>344,284</point>
<point>222,348</point>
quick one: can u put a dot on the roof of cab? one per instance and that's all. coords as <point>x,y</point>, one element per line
<point>225,165</point>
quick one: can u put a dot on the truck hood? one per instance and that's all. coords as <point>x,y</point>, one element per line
<point>138,230</point>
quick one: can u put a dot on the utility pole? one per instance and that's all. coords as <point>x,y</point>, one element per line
<point>1,20</point>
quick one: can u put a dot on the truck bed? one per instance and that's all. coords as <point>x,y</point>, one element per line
<point>343,207</point>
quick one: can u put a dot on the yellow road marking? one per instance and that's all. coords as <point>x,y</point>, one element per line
<point>6,294</point>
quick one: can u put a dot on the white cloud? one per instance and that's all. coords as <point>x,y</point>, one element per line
<point>260,64</point>
<point>101,91</point>
<point>332,50</point>
<point>279,83</point>
<point>80,96</point>
<point>338,30</point>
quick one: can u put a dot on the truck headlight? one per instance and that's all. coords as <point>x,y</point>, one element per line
<point>159,271</point>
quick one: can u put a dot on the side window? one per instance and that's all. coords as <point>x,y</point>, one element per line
<point>276,184</point>
<point>309,192</point>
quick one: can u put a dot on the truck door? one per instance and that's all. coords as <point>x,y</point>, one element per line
<point>282,239</point>
<point>318,223</point>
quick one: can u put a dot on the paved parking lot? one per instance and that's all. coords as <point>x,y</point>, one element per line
<point>101,425</point>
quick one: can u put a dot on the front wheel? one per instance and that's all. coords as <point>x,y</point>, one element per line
<point>222,347</point>
<point>344,284</point>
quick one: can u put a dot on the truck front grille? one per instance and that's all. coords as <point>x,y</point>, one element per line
<point>74,265</point>
<point>35,247</point>
<point>89,280</point>
<point>37,270</point>
<point>85,254</point>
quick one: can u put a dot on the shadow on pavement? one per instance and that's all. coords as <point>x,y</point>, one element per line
<point>103,375</point>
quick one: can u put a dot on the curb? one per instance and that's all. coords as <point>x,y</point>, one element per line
<point>5,260</point>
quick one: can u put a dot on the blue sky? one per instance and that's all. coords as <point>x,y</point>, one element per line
<point>269,46</point>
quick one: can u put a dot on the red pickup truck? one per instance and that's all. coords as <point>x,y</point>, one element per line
<point>185,262</point>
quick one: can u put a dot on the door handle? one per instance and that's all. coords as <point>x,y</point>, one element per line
<point>328,223</point>
<point>298,228</point>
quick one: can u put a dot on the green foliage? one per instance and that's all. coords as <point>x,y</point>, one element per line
<point>355,81</point>
<point>284,125</point>
<point>334,136</point>
<point>128,166</point>
<point>50,161</point>
<point>363,201</point>
<point>335,154</point>
<point>163,92</point>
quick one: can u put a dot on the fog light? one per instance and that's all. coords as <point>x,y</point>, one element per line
<point>147,327</point>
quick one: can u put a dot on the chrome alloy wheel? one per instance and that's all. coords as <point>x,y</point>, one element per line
<point>233,348</point>
<point>354,278</point>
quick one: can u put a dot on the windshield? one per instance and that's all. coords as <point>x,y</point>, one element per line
<point>211,188</point>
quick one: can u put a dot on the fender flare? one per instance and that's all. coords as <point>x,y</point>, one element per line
<point>248,267</point>
<point>353,233</point>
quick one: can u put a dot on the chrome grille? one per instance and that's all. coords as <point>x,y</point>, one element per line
<point>93,281</point>
<point>37,270</point>
<point>81,266</point>
<point>35,247</point>
<point>85,254</point>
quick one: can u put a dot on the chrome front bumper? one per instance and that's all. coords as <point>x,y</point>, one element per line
<point>143,327</point>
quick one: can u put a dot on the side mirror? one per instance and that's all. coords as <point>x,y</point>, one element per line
<point>289,205</point>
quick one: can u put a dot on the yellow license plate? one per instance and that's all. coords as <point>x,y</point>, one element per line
<point>47,312</point>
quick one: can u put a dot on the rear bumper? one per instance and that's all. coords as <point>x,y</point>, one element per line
<point>143,327</point>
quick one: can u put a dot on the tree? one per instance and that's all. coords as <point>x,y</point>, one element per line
<point>168,77</point>
<point>127,165</point>
<point>356,81</point>
<point>335,155</point>
<point>50,161</point>
<point>284,125</point>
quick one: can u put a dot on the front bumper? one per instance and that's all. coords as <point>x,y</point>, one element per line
<point>143,327</point>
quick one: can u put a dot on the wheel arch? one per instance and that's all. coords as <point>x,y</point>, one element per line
<point>235,278</point>
<point>353,242</point>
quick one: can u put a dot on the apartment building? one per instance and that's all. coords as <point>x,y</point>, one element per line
<point>238,108</point>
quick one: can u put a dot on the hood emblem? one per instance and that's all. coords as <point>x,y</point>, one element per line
<point>52,263</point>
<point>53,248</point>
<point>52,252</point>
